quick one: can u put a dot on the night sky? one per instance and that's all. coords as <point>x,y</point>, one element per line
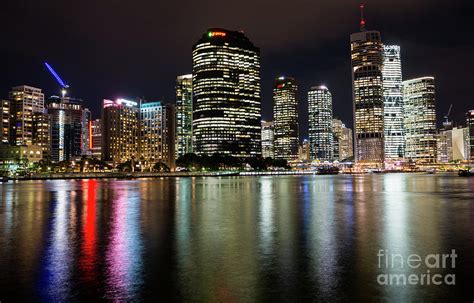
<point>117,48</point>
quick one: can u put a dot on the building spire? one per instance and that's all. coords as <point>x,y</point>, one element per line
<point>362,20</point>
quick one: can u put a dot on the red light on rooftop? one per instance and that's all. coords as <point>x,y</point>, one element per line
<point>217,34</point>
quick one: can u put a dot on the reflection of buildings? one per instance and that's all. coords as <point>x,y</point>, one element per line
<point>343,144</point>
<point>367,63</point>
<point>285,118</point>
<point>184,115</point>
<point>267,139</point>
<point>320,123</point>
<point>420,119</point>
<point>470,126</point>
<point>121,131</point>
<point>226,92</point>
<point>393,103</point>
<point>25,101</point>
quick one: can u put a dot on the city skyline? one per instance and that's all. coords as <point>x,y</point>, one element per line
<point>323,60</point>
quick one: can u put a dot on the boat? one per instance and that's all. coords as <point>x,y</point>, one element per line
<point>466,172</point>
<point>328,170</point>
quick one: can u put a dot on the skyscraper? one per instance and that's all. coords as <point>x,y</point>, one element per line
<point>343,141</point>
<point>5,117</point>
<point>470,126</point>
<point>25,100</point>
<point>420,119</point>
<point>184,115</point>
<point>368,100</point>
<point>169,136</point>
<point>321,141</point>
<point>42,133</point>
<point>393,103</point>
<point>226,88</point>
<point>267,139</point>
<point>151,138</point>
<point>121,130</point>
<point>285,118</point>
<point>96,138</point>
<point>86,144</point>
<point>66,128</point>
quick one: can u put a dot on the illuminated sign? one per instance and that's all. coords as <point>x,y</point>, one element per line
<point>216,34</point>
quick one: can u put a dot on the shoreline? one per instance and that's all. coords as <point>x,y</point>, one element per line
<point>139,175</point>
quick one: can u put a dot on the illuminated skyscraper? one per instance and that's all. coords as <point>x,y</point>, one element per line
<point>420,119</point>
<point>96,138</point>
<point>343,143</point>
<point>321,141</point>
<point>66,116</point>
<point>5,119</point>
<point>304,151</point>
<point>121,130</point>
<point>470,126</point>
<point>151,138</point>
<point>169,136</point>
<point>42,133</point>
<point>393,103</point>
<point>285,119</point>
<point>184,115</point>
<point>86,144</point>
<point>226,88</point>
<point>368,99</point>
<point>25,101</point>
<point>267,139</point>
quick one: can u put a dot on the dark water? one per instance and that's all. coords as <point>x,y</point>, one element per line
<point>288,238</point>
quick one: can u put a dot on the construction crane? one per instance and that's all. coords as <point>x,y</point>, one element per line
<point>60,81</point>
<point>447,123</point>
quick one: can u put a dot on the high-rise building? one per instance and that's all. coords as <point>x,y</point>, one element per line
<point>151,139</point>
<point>368,98</point>
<point>86,144</point>
<point>42,133</point>
<point>25,101</point>
<point>321,141</point>
<point>267,139</point>
<point>452,145</point>
<point>66,128</point>
<point>343,143</point>
<point>285,118</point>
<point>393,103</point>
<point>121,130</point>
<point>470,126</point>
<point>184,115</point>
<point>226,89</point>
<point>5,118</point>
<point>420,119</point>
<point>304,151</point>
<point>95,130</point>
<point>169,136</point>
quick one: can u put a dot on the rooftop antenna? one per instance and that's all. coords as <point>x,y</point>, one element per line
<point>362,20</point>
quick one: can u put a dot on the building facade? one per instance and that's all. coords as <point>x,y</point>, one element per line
<point>95,129</point>
<point>184,115</point>
<point>226,95</point>
<point>267,139</point>
<point>285,119</point>
<point>343,143</point>
<point>151,137</point>
<point>321,140</point>
<point>169,136</point>
<point>393,103</point>
<point>368,98</point>
<point>25,101</point>
<point>66,128</point>
<point>121,130</point>
<point>5,119</point>
<point>42,133</point>
<point>420,120</point>
<point>304,153</point>
<point>470,126</point>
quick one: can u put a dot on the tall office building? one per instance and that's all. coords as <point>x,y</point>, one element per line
<point>5,119</point>
<point>368,97</point>
<point>321,141</point>
<point>285,118</point>
<point>25,101</point>
<point>420,119</point>
<point>304,151</point>
<point>267,139</point>
<point>184,115</point>
<point>226,89</point>
<point>95,129</point>
<point>343,143</point>
<point>393,103</point>
<point>86,144</point>
<point>151,139</point>
<point>42,133</point>
<point>66,128</point>
<point>169,136</point>
<point>453,145</point>
<point>121,130</point>
<point>470,126</point>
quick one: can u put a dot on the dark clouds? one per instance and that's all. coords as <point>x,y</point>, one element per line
<point>136,48</point>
